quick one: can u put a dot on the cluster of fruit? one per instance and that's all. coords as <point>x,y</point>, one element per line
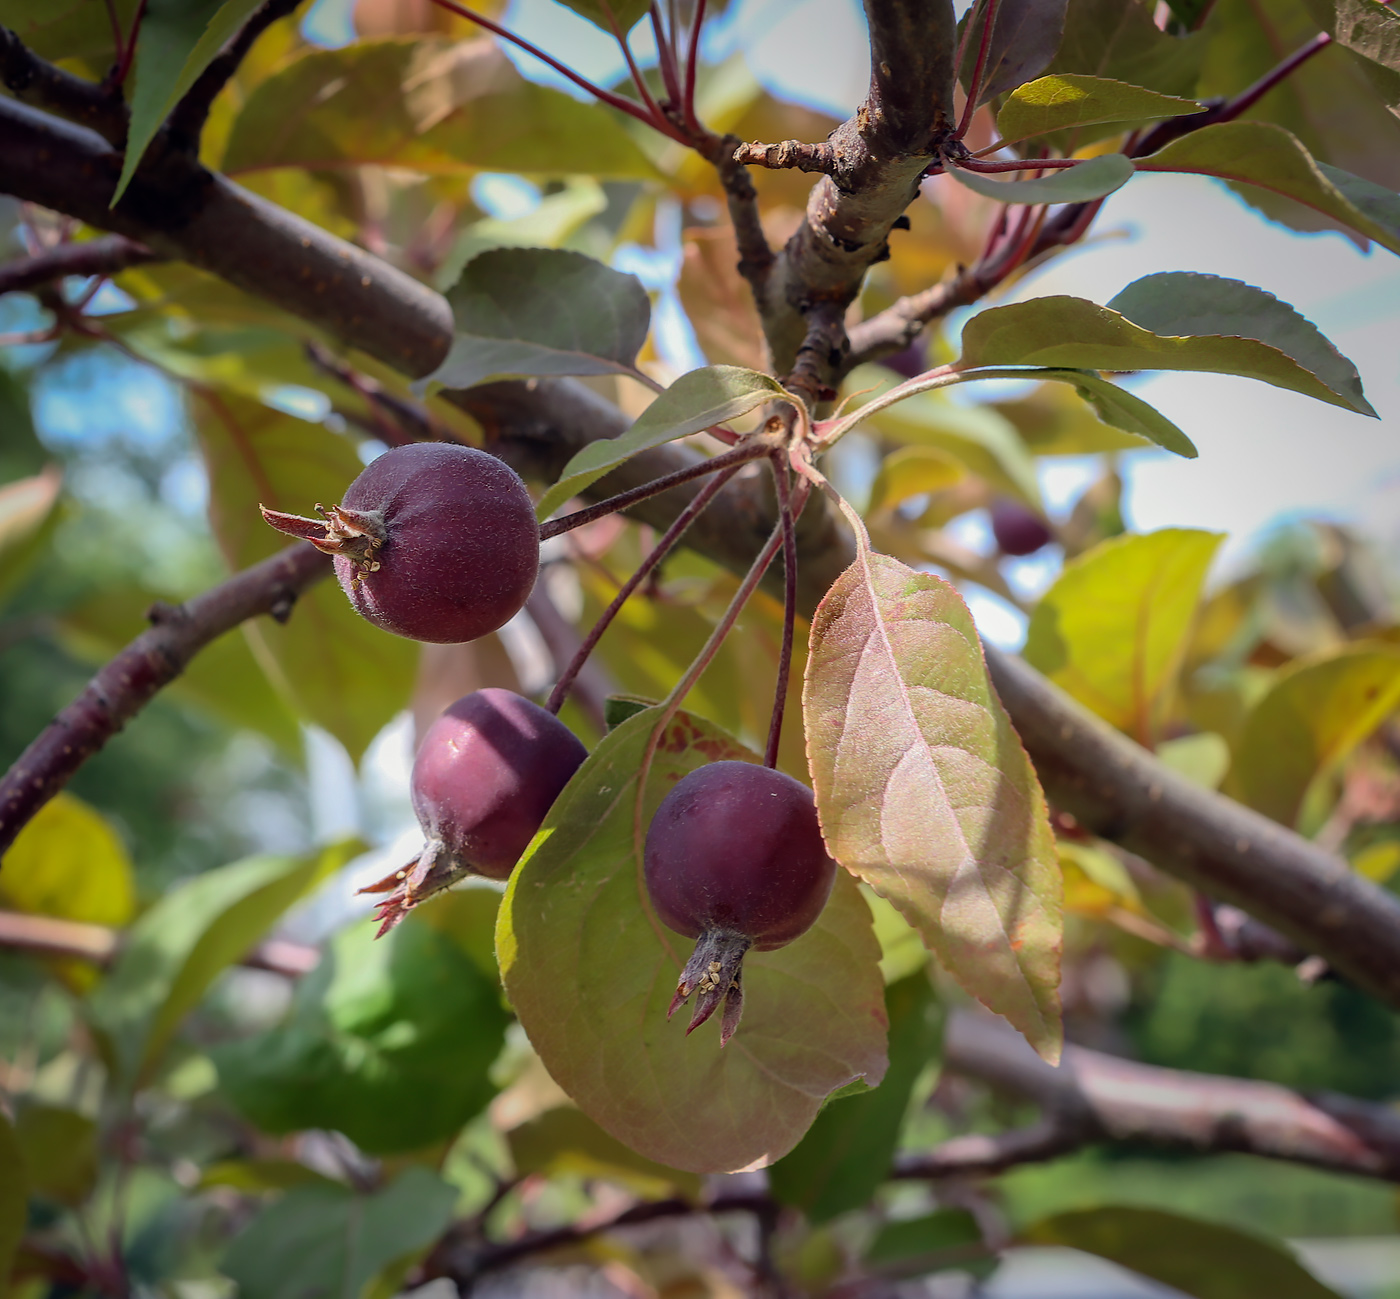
<point>439,543</point>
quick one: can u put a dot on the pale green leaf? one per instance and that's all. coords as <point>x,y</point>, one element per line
<point>28,511</point>
<point>925,792</point>
<point>1122,410</point>
<point>1202,758</point>
<point>566,1141</point>
<point>1067,100</point>
<point>1113,629</point>
<point>178,39</point>
<point>1084,181</point>
<point>1104,417</point>
<point>1197,1258</point>
<point>946,1238</point>
<point>912,471</point>
<point>542,311</point>
<point>696,401</point>
<point>590,971</point>
<point>1310,720</point>
<point>625,13</point>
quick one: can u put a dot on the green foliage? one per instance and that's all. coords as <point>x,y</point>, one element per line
<point>590,971</point>
<point>388,1042</point>
<point>13,1194</point>
<point>913,1246</point>
<point>625,13</point>
<point>1078,184</point>
<point>28,511</point>
<point>1120,41</point>
<point>926,794</point>
<point>332,1241</point>
<point>1070,102</point>
<point>567,1141</point>
<point>59,1148</point>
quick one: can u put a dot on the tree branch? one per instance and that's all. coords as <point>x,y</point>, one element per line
<point>102,256</point>
<point>35,81</point>
<point>129,681</point>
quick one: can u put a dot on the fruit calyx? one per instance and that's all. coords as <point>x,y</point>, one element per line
<point>356,535</point>
<point>714,971</point>
<point>437,868</point>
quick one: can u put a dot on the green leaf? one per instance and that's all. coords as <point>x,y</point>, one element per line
<point>1311,719</point>
<point>28,512</point>
<point>626,13</point>
<point>67,29</point>
<point>1114,628</point>
<point>195,931</point>
<point>847,1152</point>
<point>1263,155</point>
<point>330,1242</point>
<point>1121,409</point>
<point>542,311</point>
<point>1198,1258</point>
<point>567,1141</point>
<point>254,1176</point>
<point>332,666</point>
<point>14,1200</point>
<point>1078,184</point>
<point>1202,758</point>
<point>429,105</point>
<point>925,792</point>
<point>1186,303</point>
<point>1368,28</point>
<point>60,1152</point>
<point>1067,100</point>
<point>1073,333</point>
<point>696,401</point>
<point>1118,39</point>
<point>387,1041</point>
<point>912,471</point>
<point>590,971</point>
<point>1053,423</point>
<point>1024,39</point>
<point>914,1246</point>
<point>178,39</point>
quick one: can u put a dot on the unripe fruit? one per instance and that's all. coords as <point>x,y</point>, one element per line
<point>433,541</point>
<point>486,774</point>
<point>1017,530</point>
<point>735,858</point>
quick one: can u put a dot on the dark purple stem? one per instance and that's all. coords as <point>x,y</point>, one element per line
<point>1246,99</point>
<point>1019,164</point>
<point>974,87</point>
<point>692,61</point>
<point>657,116</point>
<point>786,510</point>
<point>665,56</point>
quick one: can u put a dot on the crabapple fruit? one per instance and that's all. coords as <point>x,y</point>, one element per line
<point>1018,531</point>
<point>735,858</point>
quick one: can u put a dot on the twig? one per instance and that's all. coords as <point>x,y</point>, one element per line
<point>974,85</point>
<point>413,423</point>
<point>103,256</point>
<point>126,683</point>
<point>789,504</point>
<point>692,63</point>
<point>789,154</point>
<point>35,81</point>
<point>978,1155</point>
<point>128,51</point>
<point>589,684</point>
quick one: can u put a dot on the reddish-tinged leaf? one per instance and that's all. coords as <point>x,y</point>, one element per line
<point>925,792</point>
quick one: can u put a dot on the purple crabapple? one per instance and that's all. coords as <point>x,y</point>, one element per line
<point>1017,529</point>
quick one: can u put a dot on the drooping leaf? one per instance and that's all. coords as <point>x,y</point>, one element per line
<point>1121,409</point>
<point>542,311</point>
<point>566,1140</point>
<point>1067,100</point>
<point>333,667</point>
<point>387,1041</point>
<point>1113,629</point>
<point>625,13</point>
<point>696,401</point>
<point>331,1241</point>
<point>177,948</point>
<point>590,971</point>
<point>14,1199</point>
<point>1310,720</point>
<point>60,1151</point>
<point>947,1238</point>
<point>28,510</point>
<point>1198,1258</point>
<point>1118,39</point>
<point>1024,39</point>
<point>430,105</point>
<point>848,1151</point>
<point>1054,421</point>
<point>1268,157</point>
<point>1078,184</point>
<point>925,792</point>
<point>178,39</point>
<point>1073,333</point>
<point>1187,303</point>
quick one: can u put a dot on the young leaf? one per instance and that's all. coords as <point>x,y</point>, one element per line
<point>330,1240</point>
<point>1187,303</point>
<point>194,932</point>
<point>626,13</point>
<point>848,1151</point>
<point>925,792</point>
<point>1113,629</point>
<point>1312,717</point>
<point>387,1041</point>
<point>1067,100</point>
<point>1025,37</point>
<point>1121,409</point>
<point>1197,1258</point>
<point>1072,333</point>
<point>1264,155</point>
<point>1088,180</point>
<point>542,311</point>
<point>696,401</point>
<point>590,971</point>
<point>178,39</point>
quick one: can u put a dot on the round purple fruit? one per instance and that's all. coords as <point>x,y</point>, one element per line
<point>735,858</point>
<point>1018,531</point>
<point>433,541</point>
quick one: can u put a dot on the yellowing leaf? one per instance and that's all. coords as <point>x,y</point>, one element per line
<point>925,792</point>
<point>1066,100</point>
<point>912,471</point>
<point>1113,629</point>
<point>590,971</point>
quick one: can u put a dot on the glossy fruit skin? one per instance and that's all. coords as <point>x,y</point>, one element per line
<point>460,549</point>
<point>737,848</point>
<point>486,773</point>
<point>1018,531</point>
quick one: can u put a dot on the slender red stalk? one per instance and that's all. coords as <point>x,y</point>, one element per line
<point>692,62</point>
<point>128,51</point>
<point>1247,98</point>
<point>974,87</point>
<point>787,508</point>
<point>658,117</point>
<point>118,40</point>
<point>737,457</point>
<point>1019,164</point>
<point>665,56</point>
<point>658,552</point>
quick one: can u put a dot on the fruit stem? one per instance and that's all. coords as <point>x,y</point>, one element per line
<point>658,552</point>
<point>738,456</point>
<point>787,509</point>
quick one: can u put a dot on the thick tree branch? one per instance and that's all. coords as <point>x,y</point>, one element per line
<point>129,681</point>
<point>102,256</point>
<point>35,81</point>
<point>1094,1097</point>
